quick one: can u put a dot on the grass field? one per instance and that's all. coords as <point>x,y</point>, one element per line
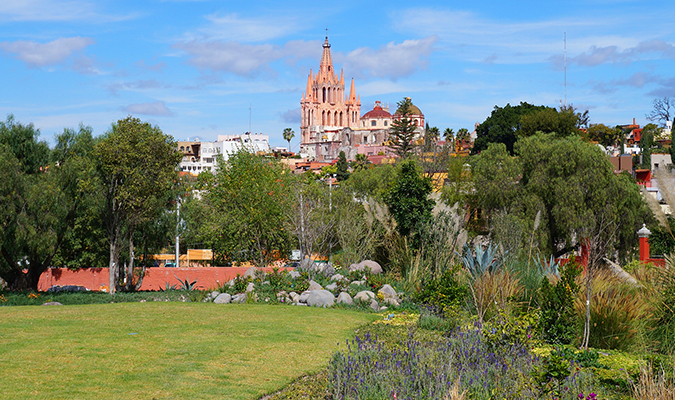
<point>164,350</point>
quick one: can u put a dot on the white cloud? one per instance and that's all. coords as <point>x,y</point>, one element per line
<point>157,108</point>
<point>391,60</point>
<point>612,54</point>
<point>36,54</point>
<point>237,58</point>
<point>55,10</point>
<point>232,27</point>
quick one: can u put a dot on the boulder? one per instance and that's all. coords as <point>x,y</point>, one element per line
<point>250,287</point>
<point>374,305</point>
<point>303,297</point>
<point>223,298</point>
<point>344,298</point>
<point>321,298</point>
<point>213,295</point>
<point>373,266</point>
<point>294,274</point>
<point>314,286</point>
<point>364,295</point>
<point>239,298</point>
<point>250,273</point>
<point>388,292</point>
<point>358,283</point>
<point>52,303</point>
<point>392,302</point>
<point>294,297</point>
<point>337,278</point>
<point>331,287</point>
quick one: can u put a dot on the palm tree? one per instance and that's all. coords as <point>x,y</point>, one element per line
<point>448,134</point>
<point>288,135</point>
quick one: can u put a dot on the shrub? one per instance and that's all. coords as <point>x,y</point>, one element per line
<point>507,330</point>
<point>444,292</point>
<point>558,318</point>
<point>663,333</point>
<point>617,311</point>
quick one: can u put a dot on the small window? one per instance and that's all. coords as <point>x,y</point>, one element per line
<point>386,123</point>
<point>182,148</point>
<point>373,123</point>
<point>188,148</point>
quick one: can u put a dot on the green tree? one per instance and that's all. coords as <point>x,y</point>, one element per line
<point>402,133</point>
<point>549,120</point>
<point>502,125</point>
<point>646,143</point>
<point>463,135</point>
<point>604,135</point>
<point>458,185</point>
<point>408,200</point>
<point>288,135</point>
<point>432,134</point>
<point>360,162</point>
<point>249,204</point>
<point>137,165</point>
<point>371,182</point>
<point>448,135</point>
<point>342,167</point>
<point>22,141</point>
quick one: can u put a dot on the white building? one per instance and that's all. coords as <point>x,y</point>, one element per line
<point>201,156</point>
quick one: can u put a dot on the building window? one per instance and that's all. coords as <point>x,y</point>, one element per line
<point>182,148</point>
<point>373,123</point>
<point>386,123</point>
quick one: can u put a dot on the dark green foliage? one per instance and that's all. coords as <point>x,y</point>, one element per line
<point>661,241</point>
<point>371,181</point>
<point>663,331</point>
<point>552,375</point>
<point>342,167</point>
<point>402,131</point>
<point>501,126</point>
<point>549,120</point>
<point>408,200</point>
<point>22,141</point>
<point>558,316</point>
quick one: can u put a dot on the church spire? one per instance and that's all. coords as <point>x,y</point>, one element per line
<point>326,72</point>
<point>352,96</point>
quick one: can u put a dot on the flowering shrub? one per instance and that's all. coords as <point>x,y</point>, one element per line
<point>464,361</point>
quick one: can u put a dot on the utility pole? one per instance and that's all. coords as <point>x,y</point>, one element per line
<point>178,233</point>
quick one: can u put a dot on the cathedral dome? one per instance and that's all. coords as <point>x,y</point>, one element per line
<point>414,110</point>
<point>377,112</point>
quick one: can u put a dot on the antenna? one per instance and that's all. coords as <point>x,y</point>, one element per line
<point>565,62</point>
<point>249,118</point>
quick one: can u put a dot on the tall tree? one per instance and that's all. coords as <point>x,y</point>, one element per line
<point>288,135</point>
<point>549,120</point>
<point>604,135</point>
<point>448,135</point>
<point>137,164</point>
<point>662,110</point>
<point>649,132</point>
<point>502,125</point>
<point>402,133</point>
<point>249,201</point>
<point>408,199</point>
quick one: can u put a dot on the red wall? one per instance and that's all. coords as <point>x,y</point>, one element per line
<point>155,278</point>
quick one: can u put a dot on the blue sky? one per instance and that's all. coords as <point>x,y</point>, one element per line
<point>194,68</point>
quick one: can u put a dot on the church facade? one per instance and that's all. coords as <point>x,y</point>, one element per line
<point>331,120</point>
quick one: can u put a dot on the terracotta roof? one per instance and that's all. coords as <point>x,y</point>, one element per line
<point>377,112</point>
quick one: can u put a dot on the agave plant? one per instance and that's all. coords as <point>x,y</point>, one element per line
<point>480,261</point>
<point>186,284</point>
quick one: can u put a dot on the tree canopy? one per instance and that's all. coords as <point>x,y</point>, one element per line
<point>402,133</point>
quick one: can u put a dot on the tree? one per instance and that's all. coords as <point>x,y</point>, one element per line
<point>604,135</point>
<point>432,133</point>
<point>662,110</point>
<point>402,133</point>
<point>502,125</point>
<point>288,135</point>
<point>22,141</point>
<point>360,162</point>
<point>247,209</point>
<point>408,200</point>
<point>463,135</point>
<point>137,165</point>
<point>646,142</point>
<point>549,120</point>
<point>448,135</point>
<point>342,167</point>
<point>571,182</point>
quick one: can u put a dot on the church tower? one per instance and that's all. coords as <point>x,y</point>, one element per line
<point>325,108</point>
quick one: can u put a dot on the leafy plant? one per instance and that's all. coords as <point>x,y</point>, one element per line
<point>558,318</point>
<point>186,284</point>
<point>444,292</point>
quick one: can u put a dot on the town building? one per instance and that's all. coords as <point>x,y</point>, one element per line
<point>201,156</point>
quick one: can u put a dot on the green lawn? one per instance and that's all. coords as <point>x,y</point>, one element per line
<point>164,350</point>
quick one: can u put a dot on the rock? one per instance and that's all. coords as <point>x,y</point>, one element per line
<point>294,297</point>
<point>336,278</point>
<point>364,295</point>
<point>250,273</point>
<point>374,267</point>
<point>52,303</point>
<point>383,308</point>
<point>239,298</point>
<point>294,274</point>
<point>314,286</point>
<point>358,283</point>
<point>389,293</point>
<point>321,298</point>
<point>392,302</point>
<point>331,287</point>
<point>328,270</point>
<point>344,298</point>
<point>303,297</point>
<point>306,264</point>
<point>301,304</point>
<point>223,298</point>
<point>250,287</point>
<point>374,305</point>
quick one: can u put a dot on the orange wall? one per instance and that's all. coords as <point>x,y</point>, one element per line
<point>155,278</point>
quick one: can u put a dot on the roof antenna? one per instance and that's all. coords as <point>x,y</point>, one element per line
<point>565,62</point>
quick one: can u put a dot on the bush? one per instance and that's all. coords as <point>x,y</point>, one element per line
<point>444,292</point>
<point>558,318</point>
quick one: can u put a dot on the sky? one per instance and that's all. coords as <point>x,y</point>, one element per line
<point>207,68</point>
